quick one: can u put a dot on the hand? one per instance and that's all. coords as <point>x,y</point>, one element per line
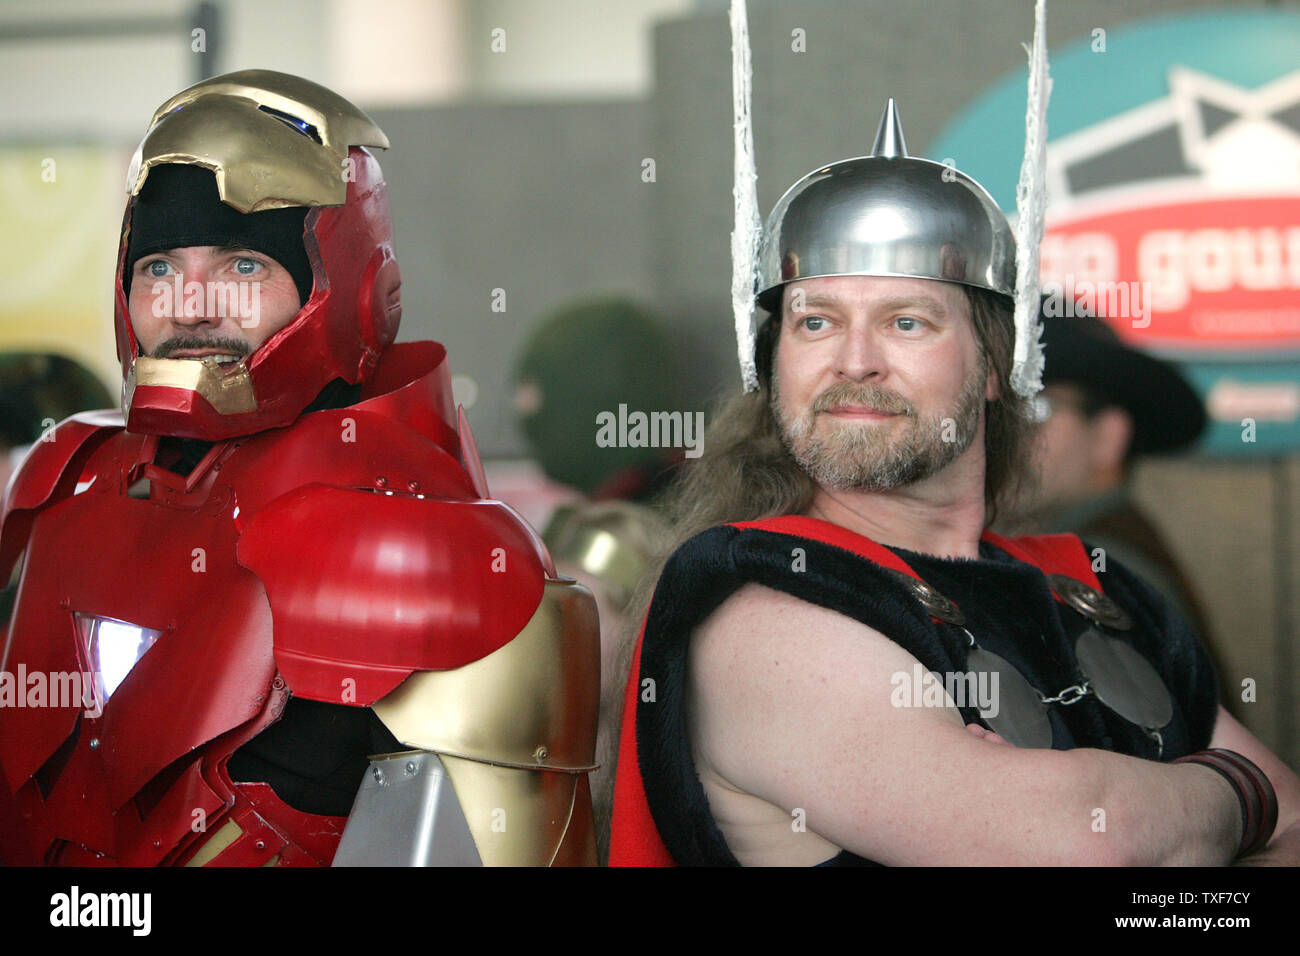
<point>1282,850</point>
<point>986,734</point>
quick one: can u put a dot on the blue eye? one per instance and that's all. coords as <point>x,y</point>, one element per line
<point>808,320</point>
<point>246,267</point>
<point>912,327</point>
<point>157,268</point>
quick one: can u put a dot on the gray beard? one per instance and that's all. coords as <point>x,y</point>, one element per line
<point>877,456</point>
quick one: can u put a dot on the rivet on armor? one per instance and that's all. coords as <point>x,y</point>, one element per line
<point>381,482</point>
<point>541,753</point>
<point>413,485</point>
<point>935,604</point>
<point>94,743</point>
<point>1092,604</point>
<point>410,766</point>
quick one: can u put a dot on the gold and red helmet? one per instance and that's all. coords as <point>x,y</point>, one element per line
<point>273,142</point>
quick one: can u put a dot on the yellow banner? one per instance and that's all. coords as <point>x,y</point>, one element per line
<point>62,211</point>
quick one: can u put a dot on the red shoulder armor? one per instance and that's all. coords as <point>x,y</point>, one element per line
<point>366,587</point>
<point>52,464</point>
<point>368,528</point>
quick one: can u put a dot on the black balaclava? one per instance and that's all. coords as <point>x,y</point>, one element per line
<point>179,206</point>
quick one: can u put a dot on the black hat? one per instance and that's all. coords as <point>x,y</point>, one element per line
<point>1083,349</point>
<point>179,206</point>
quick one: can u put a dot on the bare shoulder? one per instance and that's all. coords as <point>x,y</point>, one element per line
<point>757,606</point>
<point>790,713</point>
<point>762,639</point>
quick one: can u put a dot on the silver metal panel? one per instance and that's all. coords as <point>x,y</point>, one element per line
<point>406,814</point>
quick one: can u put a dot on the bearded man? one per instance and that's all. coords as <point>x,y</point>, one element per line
<point>840,664</point>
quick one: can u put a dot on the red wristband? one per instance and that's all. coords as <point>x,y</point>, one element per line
<point>1267,798</point>
<point>1254,791</point>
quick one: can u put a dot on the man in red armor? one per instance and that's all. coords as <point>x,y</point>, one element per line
<point>327,579</point>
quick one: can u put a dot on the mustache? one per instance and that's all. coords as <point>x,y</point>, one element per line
<point>181,343</point>
<point>849,393</point>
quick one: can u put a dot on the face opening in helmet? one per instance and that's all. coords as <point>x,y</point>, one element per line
<point>294,123</point>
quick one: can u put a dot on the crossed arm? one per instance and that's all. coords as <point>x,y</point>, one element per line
<point>792,704</point>
<point>1284,848</point>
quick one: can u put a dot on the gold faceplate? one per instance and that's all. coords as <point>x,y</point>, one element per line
<point>259,161</point>
<point>228,390</point>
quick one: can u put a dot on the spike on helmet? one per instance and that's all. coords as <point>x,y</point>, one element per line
<point>887,214</point>
<point>272,141</point>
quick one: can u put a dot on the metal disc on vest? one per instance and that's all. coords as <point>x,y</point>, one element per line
<point>935,604</point>
<point>1124,680</point>
<point>1021,717</point>
<point>1091,603</point>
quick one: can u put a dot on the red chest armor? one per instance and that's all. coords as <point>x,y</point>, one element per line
<point>328,560</point>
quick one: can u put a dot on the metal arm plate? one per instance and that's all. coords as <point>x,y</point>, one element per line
<point>407,814</point>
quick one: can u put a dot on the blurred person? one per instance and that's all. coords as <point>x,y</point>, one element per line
<point>840,663</point>
<point>577,368</point>
<point>1103,407</point>
<point>280,560</point>
<point>37,390</point>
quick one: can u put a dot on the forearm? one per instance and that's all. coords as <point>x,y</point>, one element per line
<point>1004,806</point>
<point>912,786</point>
<point>1157,814</point>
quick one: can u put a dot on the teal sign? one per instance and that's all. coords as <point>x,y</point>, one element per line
<point>1174,201</point>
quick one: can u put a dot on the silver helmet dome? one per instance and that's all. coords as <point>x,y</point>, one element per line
<point>887,214</point>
